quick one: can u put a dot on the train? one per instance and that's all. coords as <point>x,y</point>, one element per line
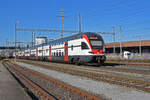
<point>5,54</point>
<point>81,48</point>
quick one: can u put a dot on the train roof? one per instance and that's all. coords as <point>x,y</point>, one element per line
<point>65,39</point>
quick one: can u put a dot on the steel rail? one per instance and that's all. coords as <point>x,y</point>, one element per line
<point>31,84</point>
<point>128,82</point>
<point>68,87</point>
<point>129,63</point>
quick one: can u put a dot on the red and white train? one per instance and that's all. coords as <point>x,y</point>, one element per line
<point>80,48</point>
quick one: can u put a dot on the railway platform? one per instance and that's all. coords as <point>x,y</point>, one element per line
<point>9,87</point>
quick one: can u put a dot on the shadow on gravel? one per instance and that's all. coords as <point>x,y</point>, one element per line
<point>111,64</point>
<point>104,65</point>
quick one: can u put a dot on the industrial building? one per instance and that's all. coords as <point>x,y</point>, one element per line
<point>132,46</point>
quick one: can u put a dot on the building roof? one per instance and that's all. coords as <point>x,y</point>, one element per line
<point>129,44</point>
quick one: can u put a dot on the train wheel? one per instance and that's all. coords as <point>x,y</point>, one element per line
<point>78,62</point>
<point>101,63</point>
<point>72,61</point>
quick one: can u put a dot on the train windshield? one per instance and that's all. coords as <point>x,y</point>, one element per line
<point>95,40</point>
<point>96,44</point>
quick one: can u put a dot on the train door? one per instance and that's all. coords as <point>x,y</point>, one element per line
<point>24,54</point>
<point>36,53</point>
<point>42,58</point>
<point>29,53</point>
<point>66,51</point>
<point>50,56</point>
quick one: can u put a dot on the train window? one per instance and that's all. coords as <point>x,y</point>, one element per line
<point>84,46</point>
<point>47,50</point>
<point>59,53</point>
<point>62,54</point>
<point>71,47</point>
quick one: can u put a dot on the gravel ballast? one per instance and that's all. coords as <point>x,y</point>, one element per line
<point>112,92</point>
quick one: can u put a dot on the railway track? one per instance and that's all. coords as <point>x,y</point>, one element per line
<point>40,90</point>
<point>128,82</point>
<point>34,87</point>
<point>128,63</point>
<point>124,71</point>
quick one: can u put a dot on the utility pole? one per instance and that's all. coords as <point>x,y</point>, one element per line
<point>120,40</point>
<point>114,39</point>
<point>6,43</point>
<point>140,46</point>
<point>62,21</point>
<point>16,38</point>
<point>32,39</point>
<point>79,23</point>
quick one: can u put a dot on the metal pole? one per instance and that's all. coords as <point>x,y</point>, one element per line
<point>62,20</point>
<point>140,46</point>
<point>120,40</point>
<point>6,43</point>
<point>16,38</point>
<point>114,39</point>
<point>79,23</point>
<point>32,38</point>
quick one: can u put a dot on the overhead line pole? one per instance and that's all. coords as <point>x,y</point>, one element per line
<point>6,43</point>
<point>79,23</point>
<point>62,22</point>
<point>16,38</point>
<point>120,40</point>
<point>140,46</point>
<point>32,39</point>
<point>114,40</point>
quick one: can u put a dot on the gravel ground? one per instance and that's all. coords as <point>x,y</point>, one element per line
<point>139,74</point>
<point>134,67</point>
<point>111,92</point>
<point>55,90</point>
<point>143,77</point>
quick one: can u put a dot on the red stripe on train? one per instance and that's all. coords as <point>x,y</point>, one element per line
<point>66,51</point>
<point>36,53</point>
<point>50,56</point>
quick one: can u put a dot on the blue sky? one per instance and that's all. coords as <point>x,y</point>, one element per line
<point>97,16</point>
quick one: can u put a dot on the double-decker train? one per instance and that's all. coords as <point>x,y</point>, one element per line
<point>78,49</point>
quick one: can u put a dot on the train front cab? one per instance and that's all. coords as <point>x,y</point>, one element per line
<point>90,51</point>
<point>96,45</point>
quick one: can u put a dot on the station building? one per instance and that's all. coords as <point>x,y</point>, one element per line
<point>131,46</point>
